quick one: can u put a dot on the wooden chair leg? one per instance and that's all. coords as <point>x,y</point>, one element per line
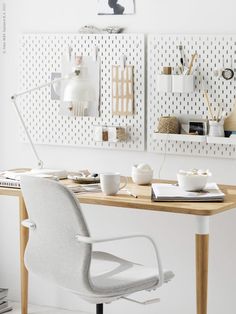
<point>99,309</point>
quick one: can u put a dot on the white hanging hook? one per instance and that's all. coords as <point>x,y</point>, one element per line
<point>123,62</point>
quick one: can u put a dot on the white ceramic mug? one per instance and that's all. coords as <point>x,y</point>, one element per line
<point>110,182</point>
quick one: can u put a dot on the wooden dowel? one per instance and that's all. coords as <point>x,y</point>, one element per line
<point>191,63</point>
<point>208,104</point>
<point>218,113</point>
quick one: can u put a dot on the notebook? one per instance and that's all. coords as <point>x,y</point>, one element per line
<point>9,183</point>
<point>162,192</point>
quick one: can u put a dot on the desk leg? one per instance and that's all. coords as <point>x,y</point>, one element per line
<point>202,249</point>
<point>24,234</point>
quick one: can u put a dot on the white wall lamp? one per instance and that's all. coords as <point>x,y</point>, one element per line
<point>78,89</point>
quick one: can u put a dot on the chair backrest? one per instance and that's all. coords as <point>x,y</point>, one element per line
<point>52,251</point>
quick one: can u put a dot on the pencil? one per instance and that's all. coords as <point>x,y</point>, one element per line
<point>132,194</point>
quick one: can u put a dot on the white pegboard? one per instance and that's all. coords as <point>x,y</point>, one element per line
<point>40,55</point>
<point>163,51</point>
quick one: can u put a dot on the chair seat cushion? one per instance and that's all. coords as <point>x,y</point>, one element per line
<point>111,275</point>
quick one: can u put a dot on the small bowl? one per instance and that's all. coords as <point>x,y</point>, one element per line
<point>141,177</point>
<point>192,182</point>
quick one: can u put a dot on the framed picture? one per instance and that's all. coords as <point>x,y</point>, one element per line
<point>198,127</point>
<point>115,7</point>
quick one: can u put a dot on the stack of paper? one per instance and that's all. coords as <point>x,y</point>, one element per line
<point>9,183</point>
<point>11,178</point>
<point>172,193</point>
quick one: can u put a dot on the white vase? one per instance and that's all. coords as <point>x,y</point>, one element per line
<point>216,128</point>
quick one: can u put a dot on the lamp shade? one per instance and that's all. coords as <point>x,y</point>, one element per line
<point>79,90</point>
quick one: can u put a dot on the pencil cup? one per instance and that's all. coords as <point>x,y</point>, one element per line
<point>216,128</point>
<point>164,83</point>
<point>182,83</point>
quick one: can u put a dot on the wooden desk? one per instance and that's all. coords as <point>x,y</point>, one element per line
<point>202,212</point>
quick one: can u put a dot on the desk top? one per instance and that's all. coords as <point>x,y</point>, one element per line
<point>144,200</point>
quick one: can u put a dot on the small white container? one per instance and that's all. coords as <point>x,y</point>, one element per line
<point>164,83</point>
<point>182,83</point>
<point>142,174</point>
<point>192,182</point>
<point>216,128</point>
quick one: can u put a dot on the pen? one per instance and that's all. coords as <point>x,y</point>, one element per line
<point>181,57</point>
<point>132,194</point>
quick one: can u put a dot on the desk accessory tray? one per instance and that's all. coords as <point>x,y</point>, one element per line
<point>84,180</point>
<point>83,177</point>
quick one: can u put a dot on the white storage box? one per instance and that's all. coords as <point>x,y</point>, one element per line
<point>164,83</point>
<point>182,83</point>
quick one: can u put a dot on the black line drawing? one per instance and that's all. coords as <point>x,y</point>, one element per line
<point>115,7</point>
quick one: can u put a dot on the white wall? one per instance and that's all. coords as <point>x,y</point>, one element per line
<point>175,233</point>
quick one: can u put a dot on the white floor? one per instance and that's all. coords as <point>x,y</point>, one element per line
<point>35,309</point>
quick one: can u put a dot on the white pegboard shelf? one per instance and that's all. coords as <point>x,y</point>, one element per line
<point>194,138</point>
<point>163,51</point>
<point>221,140</point>
<point>180,137</point>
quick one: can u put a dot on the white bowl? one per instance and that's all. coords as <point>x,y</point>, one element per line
<point>192,182</point>
<point>141,177</point>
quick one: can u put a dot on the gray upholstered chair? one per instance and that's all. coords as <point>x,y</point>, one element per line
<point>60,249</point>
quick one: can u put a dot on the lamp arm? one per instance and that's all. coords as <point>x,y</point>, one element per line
<point>41,86</point>
<point>14,97</point>
<point>40,162</point>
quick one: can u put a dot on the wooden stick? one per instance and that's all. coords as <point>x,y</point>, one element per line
<point>218,113</point>
<point>208,104</point>
<point>191,63</point>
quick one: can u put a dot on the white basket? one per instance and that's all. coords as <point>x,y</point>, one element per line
<point>182,83</point>
<point>164,83</point>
